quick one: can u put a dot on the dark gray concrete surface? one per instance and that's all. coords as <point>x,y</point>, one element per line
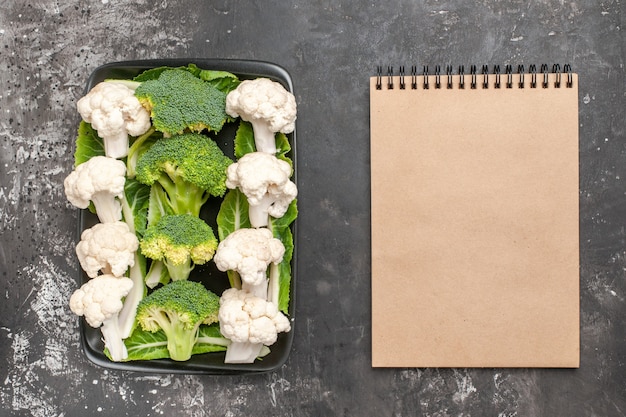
<point>48,49</point>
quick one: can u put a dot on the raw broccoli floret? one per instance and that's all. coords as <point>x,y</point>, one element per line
<point>180,241</point>
<point>178,308</point>
<point>178,101</point>
<point>189,168</point>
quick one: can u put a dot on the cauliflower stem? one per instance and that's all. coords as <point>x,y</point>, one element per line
<point>259,216</point>
<point>126,318</point>
<point>242,352</point>
<point>113,340</point>
<point>134,212</point>
<point>258,290</point>
<point>264,137</point>
<point>107,208</point>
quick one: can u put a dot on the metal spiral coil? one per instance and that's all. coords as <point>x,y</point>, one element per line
<point>483,80</point>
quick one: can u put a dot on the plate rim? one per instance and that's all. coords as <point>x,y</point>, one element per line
<point>244,68</point>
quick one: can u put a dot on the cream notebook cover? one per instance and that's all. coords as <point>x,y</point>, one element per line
<point>475,227</point>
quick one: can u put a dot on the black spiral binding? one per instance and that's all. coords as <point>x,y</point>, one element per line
<point>483,80</point>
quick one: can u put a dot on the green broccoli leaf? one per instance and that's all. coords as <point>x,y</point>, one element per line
<point>151,74</point>
<point>283,148</point>
<point>233,213</point>
<point>222,80</point>
<point>281,229</point>
<point>144,345</point>
<point>135,205</point>
<point>210,340</point>
<point>88,144</point>
<point>157,206</point>
<point>244,139</point>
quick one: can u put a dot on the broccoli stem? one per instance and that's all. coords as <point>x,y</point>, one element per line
<point>183,198</point>
<point>180,342</point>
<point>181,271</point>
<point>190,200</point>
<point>180,338</point>
<point>112,339</point>
<point>133,153</point>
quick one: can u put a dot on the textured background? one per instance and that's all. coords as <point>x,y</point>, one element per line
<point>48,49</point>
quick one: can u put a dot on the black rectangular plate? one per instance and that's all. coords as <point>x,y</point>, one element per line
<point>208,274</point>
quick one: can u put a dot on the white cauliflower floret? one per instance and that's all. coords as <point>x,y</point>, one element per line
<point>101,179</point>
<point>115,112</point>
<point>99,300</point>
<point>264,179</point>
<point>109,247</point>
<point>268,106</point>
<point>249,252</point>
<point>250,322</point>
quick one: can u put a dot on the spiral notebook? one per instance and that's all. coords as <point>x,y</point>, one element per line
<point>475,226</point>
